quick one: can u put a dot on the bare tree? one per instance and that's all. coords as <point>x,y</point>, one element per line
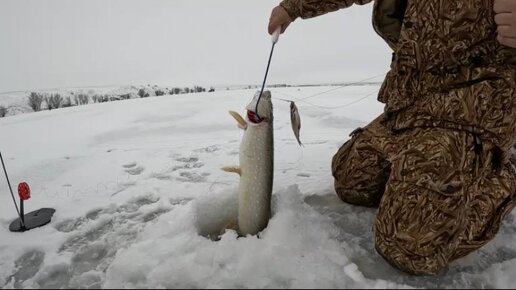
<point>46,99</point>
<point>82,99</point>
<point>54,101</point>
<point>35,101</point>
<point>143,94</point>
<point>3,111</point>
<point>85,99</point>
<point>103,99</point>
<point>95,98</point>
<point>199,89</point>
<point>125,97</point>
<point>67,102</point>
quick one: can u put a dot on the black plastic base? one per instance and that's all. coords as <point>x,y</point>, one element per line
<point>33,220</point>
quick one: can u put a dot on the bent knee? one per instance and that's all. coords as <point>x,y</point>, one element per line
<point>414,230</point>
<point>360,173</point>
<point>369,197</point>
<point>399,256</point>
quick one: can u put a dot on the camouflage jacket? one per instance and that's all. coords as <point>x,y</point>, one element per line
<point>448,70</point>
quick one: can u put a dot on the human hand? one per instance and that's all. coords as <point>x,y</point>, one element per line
<point>279,17</point>
<point>505,18</point>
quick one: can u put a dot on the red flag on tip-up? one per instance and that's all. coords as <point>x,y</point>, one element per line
<point>24,191</point>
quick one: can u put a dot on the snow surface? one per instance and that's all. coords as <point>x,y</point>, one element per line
<point>139,192</point>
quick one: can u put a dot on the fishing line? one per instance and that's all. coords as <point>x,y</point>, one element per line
<point>325,107</point>
<point>343,86</point>
<point>10,188</point>
<point>328,91</point>
<point>265,79</point>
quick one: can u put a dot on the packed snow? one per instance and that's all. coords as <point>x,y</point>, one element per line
<point>140,198</point>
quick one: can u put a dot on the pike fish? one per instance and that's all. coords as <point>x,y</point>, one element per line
<point>256,165</point>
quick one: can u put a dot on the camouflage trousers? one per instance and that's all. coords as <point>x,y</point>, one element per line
<point>441,193</point>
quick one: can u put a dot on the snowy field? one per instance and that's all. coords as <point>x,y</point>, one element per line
<point>138,189</point>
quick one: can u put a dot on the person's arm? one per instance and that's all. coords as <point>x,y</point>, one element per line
<point>289,10</point>
<point>312,8</point>
<point>506,20</point>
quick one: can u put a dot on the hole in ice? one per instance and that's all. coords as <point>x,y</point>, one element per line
<point>214,211</point>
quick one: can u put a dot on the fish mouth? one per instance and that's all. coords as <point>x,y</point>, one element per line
<point>254,118</point>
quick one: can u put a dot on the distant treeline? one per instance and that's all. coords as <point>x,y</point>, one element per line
<point>41,101</point>
<point>49,101</point>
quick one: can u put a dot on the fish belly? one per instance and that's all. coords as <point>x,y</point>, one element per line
<point>255,187</point>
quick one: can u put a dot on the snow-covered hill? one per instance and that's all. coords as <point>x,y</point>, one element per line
<point>137,186</point>
<point>17,102</point>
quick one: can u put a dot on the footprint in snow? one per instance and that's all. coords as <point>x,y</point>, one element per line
<point>186,176</point>
<point>133,169</point>
<point>209,149</point>
<point>94,240</point>
<point>27,266</point>
<point>188,163</point>
<point>130,165</point>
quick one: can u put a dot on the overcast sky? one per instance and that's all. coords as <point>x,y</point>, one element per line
<point>67,43</point>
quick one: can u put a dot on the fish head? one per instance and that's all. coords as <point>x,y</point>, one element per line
<point>264,114</point>
<point>293,107</point>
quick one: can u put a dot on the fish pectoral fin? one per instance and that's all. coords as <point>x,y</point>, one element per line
<point>233,169</point>
<point>232,225</point>
<point>242,124</point>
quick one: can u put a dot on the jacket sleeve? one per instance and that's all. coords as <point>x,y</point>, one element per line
<point>312,8</point>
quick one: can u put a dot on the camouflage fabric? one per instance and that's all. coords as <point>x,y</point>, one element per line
<point>441,193</point>
<point>437,161</point>
<point>448,69</point>
<point>312,8</point>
